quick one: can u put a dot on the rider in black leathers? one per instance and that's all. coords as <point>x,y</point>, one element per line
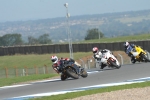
<point>58,64</point>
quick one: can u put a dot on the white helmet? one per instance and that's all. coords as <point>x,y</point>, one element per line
<point>126,44</point>
<point>54,59</point>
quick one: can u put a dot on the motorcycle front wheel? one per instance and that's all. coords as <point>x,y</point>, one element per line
<point>145,57</point>
<point>71,72</point>
<point>84,74</point>
<point>115,65</point>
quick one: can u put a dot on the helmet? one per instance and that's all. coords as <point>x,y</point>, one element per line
<point>126,44</point>
<point>54,59</point>
<point>95,50</point>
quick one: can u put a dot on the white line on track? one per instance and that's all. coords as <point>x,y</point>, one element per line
<point>81,89</point>
<point>52,80</point>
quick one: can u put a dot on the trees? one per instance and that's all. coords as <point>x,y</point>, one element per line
<point>94,34</point>
<point>44,39</point>
<point>16,39</point>
<point>11,40</point>
<point>32,40</point>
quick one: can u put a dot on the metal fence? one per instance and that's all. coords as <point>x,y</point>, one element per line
<point>88,64</point>
<point>16,72</point>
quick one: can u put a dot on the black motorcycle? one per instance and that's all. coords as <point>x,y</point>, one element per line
<point>70,69</point>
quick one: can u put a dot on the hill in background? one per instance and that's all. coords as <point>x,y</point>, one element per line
<point>110,24</point>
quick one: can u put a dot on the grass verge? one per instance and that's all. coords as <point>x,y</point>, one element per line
<point>93,91</point>
<point>31,60</point>
<point>137,37</point>
<point>16,80</point>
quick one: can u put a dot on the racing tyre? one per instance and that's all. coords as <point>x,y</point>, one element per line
<point>115,65</point>
<point>145,57</point>
<point>84,74</point>
<point>72,73</point>
<point>63,77</point>
<point>133,61</point>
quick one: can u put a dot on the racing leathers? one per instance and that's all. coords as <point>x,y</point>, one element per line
<point>59,65</point>
<point>128,50</point>
<point>98,57</point>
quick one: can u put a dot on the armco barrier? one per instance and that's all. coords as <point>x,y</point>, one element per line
<point>64,48</point>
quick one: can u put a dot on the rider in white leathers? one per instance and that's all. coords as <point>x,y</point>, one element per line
<point>98,55</point>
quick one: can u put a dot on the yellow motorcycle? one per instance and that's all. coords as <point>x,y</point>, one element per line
<point>139,54</point>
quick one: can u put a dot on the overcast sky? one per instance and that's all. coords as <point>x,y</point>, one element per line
<point>20,10</point>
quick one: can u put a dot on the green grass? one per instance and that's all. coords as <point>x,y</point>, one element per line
<point>120,39</point>
<point>93,91</point>
<point>21,61</point>
<point>15,80</point>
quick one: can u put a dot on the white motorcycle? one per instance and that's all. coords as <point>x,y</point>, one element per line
<point>110,60</point>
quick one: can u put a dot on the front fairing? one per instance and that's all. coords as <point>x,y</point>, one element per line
<point>139,50</point>
<point>104,60</point>
<point>73,66</point>
<point>105,57</point>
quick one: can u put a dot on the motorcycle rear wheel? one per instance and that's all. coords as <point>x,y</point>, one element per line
<point>133,60</point>
<point>63,77</point>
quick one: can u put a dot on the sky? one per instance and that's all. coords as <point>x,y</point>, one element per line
<point>22,10</point>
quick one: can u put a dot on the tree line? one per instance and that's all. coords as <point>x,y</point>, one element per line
<point>16,38</point>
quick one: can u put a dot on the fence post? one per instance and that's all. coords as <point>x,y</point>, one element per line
<point>16,71</point>
<point>26,70</point>
<point>6,72</point>
<point>88,61</point>
<point>36,70</point>
<point>83,63</point>
<point>46,69</point>
<point>121,58</point>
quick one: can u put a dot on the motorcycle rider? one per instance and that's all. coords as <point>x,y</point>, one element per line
<point>127,48</point>
<point>98,55</point>
<point>58,63</point>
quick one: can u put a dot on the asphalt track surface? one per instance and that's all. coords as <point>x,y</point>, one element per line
<point>107,75</point>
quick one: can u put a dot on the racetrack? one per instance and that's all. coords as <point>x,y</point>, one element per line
<point>126,72</point>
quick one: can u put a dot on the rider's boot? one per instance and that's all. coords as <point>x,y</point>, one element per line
<point>103,65</point>
<point>133,60</point>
